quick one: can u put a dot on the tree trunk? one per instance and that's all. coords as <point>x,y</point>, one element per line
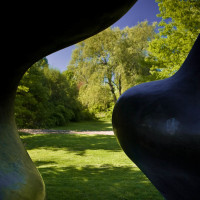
<point>112,89</point>
<point>120,86</point>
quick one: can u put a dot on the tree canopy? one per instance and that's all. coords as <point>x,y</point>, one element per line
<point>47,98</point>
<point>110,62</point>
<point>178,31</point>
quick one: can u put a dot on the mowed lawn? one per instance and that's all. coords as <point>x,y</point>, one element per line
<point>87,167</point>
<point>87,126</point>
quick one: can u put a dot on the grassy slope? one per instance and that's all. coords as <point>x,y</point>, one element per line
<point>87,167</point>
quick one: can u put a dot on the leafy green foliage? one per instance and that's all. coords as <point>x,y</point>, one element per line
<point>179,29</point>
<point>46,98</point>
<point>109,63</point>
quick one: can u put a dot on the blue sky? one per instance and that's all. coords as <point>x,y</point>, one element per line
<point>142,10</point>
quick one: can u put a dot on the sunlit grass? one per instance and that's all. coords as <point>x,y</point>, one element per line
<point>87,126</point>
<point>87,167</point>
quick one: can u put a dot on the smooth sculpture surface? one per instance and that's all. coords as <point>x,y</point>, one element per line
<point>30,31</point>
<point>158,126</point>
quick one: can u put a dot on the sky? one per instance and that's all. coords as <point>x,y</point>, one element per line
<point>141,11</point>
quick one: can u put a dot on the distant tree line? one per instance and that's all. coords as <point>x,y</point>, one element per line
<point>47,98</point>
<point>105,65</point>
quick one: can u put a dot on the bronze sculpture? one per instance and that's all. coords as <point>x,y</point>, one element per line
<point>30,32</point>
<point>158,126</point>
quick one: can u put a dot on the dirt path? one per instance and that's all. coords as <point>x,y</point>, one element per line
<point>51,131</point>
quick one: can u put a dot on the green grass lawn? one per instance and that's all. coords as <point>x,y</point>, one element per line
<point>87,167</point>
<point>87,126</point>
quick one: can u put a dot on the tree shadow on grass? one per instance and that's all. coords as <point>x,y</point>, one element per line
<point>71,142</point>
<point>102,183</point>
<point>89,182</point>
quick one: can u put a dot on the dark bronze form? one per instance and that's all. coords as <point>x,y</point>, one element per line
<point>158,127</point>
<point>29,32</point>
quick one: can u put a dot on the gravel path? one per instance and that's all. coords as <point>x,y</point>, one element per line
<point>51,131</point>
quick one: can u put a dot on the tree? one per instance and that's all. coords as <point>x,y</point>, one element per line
<point>47,98</point>
<point>31,102</point>
<point>108,63</point>
<point>179,29</point>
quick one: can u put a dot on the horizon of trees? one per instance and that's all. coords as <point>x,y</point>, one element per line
<point>104,66</point>
<point>47,98</point>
